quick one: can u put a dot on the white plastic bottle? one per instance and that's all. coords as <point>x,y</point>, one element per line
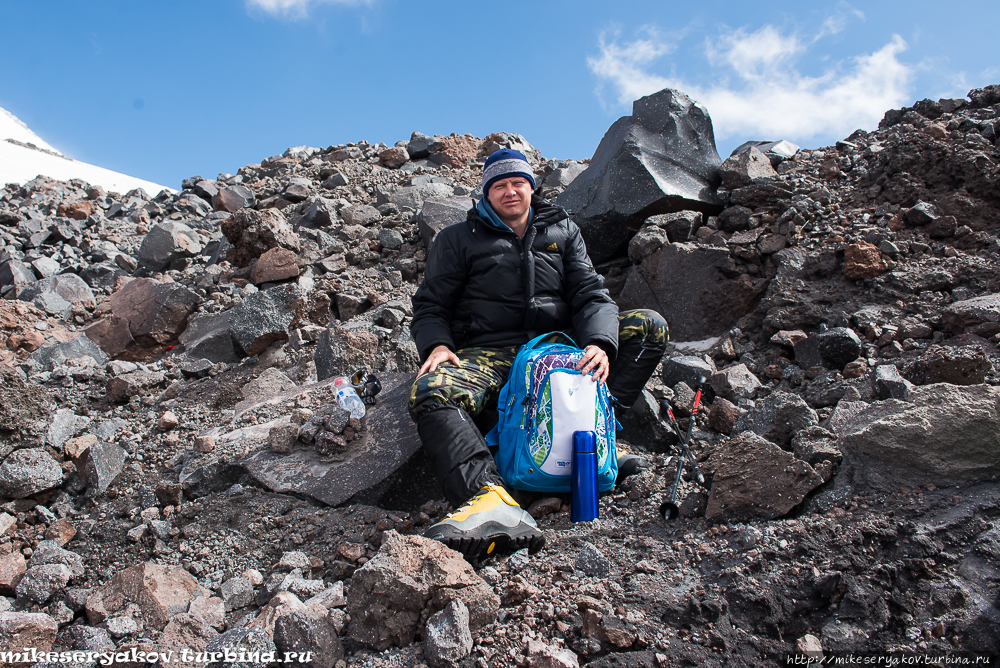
<point>347,397</point>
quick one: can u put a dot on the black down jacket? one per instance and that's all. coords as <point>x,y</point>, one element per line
<point>482,289</point>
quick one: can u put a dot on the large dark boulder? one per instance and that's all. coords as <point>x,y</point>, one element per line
<point>660,159</point>
<point>689,286</point>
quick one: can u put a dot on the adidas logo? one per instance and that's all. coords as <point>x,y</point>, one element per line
<point>553,247</point>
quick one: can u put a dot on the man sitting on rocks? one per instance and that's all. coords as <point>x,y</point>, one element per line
<point>517,267</point>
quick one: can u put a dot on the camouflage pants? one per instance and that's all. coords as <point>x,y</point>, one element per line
<point>453,406</point>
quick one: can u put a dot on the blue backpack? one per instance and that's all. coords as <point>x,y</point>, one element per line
<point>544,401</point>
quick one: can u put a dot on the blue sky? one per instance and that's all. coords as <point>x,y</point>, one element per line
<point>166,90</point>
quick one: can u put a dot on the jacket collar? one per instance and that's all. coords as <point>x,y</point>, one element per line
<point>542,213</point>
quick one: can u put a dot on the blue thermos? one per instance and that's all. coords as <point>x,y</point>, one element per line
<point>583,484</point>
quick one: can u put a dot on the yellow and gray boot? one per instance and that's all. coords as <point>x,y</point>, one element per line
<point>489,523</point>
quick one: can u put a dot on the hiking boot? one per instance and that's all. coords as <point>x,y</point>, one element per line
<point>629,465</point>
<point>489,523</point>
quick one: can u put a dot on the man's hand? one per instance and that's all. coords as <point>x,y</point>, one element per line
<point>595,362</point>
<point>439,355</point>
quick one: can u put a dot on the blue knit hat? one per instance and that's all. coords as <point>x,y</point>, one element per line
<point>504,164</point>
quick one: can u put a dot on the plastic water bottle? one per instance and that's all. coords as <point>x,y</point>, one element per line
<point>347,397</point>
<point>583,483</point>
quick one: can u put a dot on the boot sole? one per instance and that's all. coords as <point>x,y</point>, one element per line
<point>492,542</point>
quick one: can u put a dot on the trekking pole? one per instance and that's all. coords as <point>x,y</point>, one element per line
<point>670,510</point>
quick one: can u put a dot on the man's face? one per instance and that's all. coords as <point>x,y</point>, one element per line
<point>511,197</point>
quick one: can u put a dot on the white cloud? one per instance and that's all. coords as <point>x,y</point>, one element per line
<point>298,8</point>
<point>758,92</point>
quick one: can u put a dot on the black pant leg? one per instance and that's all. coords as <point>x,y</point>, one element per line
<point>444,404</point>
<point>642,339</point>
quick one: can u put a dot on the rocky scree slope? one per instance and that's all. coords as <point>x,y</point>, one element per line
<point>173,474</point>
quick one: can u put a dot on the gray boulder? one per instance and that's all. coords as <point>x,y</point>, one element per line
<point>360,214</point>
<point>979,315</point>
<point>743,169</point>
<point>438,213</point>
<point>64,424</point>
<point>263,318</point>
<point>889,384</point>
<point>58,295</point>
<point>409,579</point>
<point>79,346</point>
<point>413,197</point>
<point>778,417</point>
<point>166,242</point>
<point>735,382</point>
<point>40,583</point>
<point>711,302</point>
<point>16,273</point>
<point>943,435</point>
<point>660,159</point>
<point>100,465</point>
<point>563,175</point>
<point>308,631</point>
<point>207,336</point>
<point>448,639</point>
<point>321,213</point>
<point>686,369</point>
<point>753,478</point>
<point>776,151</point>
<point>27,472</point>
<point>251,641</point>
<point>48,552</point>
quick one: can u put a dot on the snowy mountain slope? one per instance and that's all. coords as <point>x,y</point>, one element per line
<point>20,163</point>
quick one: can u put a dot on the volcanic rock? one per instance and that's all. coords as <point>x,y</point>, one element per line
<point>233,198</point>
<point>27,472</point>
<point>252,233</point>
<point>958,365</point>
<point>263,318</point>
<point>410,579</point>
<point>249,641</point>
<point>648,240</point>
<point>979,315</point>
<point>144,316</point>
<point>160,592</point>
<point>438,213</point>
<point>12,568</point>
<point>207,336</point>
<point>838,346</point>
<point>742,169</point>
<point>20,630</point>
<point>723,415</point>
<point>166,242</point>
<point>754,478</point>
<point>660,159</point>
<point>276,264</point>
<point>942,435</point>
<point>59,295</point>
<point>735,382</point>
<point>448,639</point>
<point>24,412</point>
<point>863,260</point>
<point>890,384</point>
<point>308,631</point>
<point>40,583</point>
<point>778,417</point>
<point>100,465</point>
<point>712,302</point>
<point>686,369</point>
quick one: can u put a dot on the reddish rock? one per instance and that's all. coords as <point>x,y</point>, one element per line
<point>253,233</point>
<point>863,260</point>
<point>12,568</point>
<point>723,415</point>
<point>455,151</point>
<point>76,210</point>
<point>394,157</point>
<point>144,313</point>
<point>161,592</point>
<point>61,531</point>
<point>20,630</point>
<point>276,264</point>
